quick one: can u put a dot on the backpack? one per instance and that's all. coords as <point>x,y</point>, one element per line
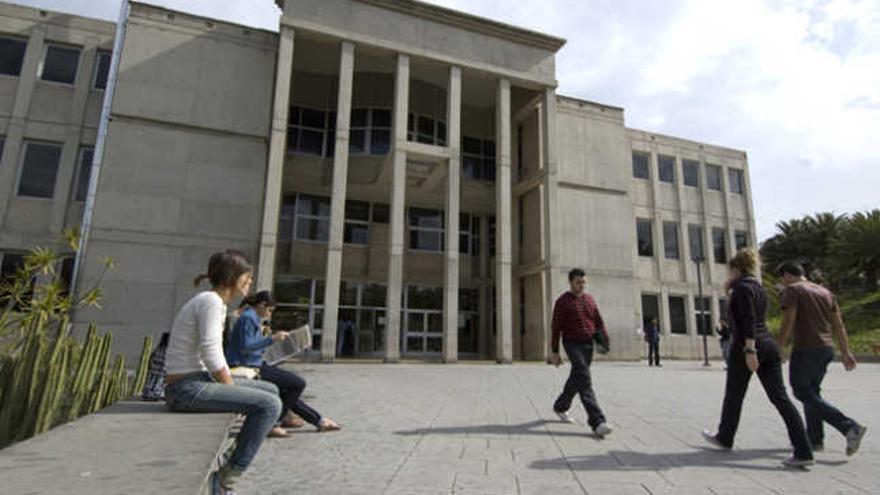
<point>154,387</point>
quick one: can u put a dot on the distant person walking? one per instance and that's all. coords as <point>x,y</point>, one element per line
<point>652,338</point>
<point>577,321</point>
<point>753,350</point>
<point>810,315</point>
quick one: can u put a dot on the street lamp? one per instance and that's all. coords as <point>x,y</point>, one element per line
<point>698,260</point>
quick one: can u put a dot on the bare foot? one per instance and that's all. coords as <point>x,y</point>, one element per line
<point>328,424</point>
<point>278,432</point>
<point>291,420</point>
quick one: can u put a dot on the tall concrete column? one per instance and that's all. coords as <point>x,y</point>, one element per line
<point>503,255</point>
<point>453,207</point>
<point>275,166</point>
<point>398,199</point>
<point>333,273</point>
<point>550,193</point>
<point>12,147</point>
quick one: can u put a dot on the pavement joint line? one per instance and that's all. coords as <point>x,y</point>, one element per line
<point>848,483</point>
<point>413,450</point>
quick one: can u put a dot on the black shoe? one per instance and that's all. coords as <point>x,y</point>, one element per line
<point>713,441</point>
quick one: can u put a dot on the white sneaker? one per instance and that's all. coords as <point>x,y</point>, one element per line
<point>602,430</point>
<point>854,439</point>
<point>564,416</point>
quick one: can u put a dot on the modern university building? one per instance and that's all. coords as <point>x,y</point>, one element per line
<point>405,177</point>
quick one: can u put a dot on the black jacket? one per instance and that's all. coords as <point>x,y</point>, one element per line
<point>748,314</point>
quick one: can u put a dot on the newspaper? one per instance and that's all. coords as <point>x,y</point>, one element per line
<point>297,342</point>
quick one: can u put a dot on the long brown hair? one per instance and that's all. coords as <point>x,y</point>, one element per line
<point>745,260</point>
<point>225,268</point>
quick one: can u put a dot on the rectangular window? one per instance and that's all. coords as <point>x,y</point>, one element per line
<point>426,229</point>
<point>719,245</point>
<point>60,64</point>
<point>722,309</point>
<point>357,222</point>
<point>703,316</point>
<point>12,55</point>
<point>670,240</point>
<point>695,242</point>
<point>102,69</point>
<point>713,177</point>
<point>86,154</point>
<point>645,238</point>
<point>469,232</point>
<point>666,168</point>
<point>650,311</point>
<point>677,315</point>
<point>419,297</point>
<point>735,177</point>
<point>742,239</point>
<point>312,218</point>
<point>640,160</point>
<point>307,130</point>
<point>380,131</point>
<point>39,169</point>
<point>691,172</point>
<point>477,158</point>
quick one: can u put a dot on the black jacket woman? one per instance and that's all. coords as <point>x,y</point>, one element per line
<point>753,350</point>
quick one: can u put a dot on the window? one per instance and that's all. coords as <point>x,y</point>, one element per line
<point>691,172</point>
<point>703,318</point>
<point>492,236</point>
<point>742,239</point>
<point>713,177</point>
<point>381,213</point>
<point>695,242</point>
<point>719,245</point>
<point>2,145</point>
<point>39,169</point>
<point>102,69</point>
<point>722,309</point>
<point>666,168</point>
<point>670,240</point>
<point>60,64</point>
<point>86,154</point>
<point>9,267</point>
<point>477,158</point>
<point>645,241</point>
<point>735,177</point>
<point>650,311</point>
<point>677,318</point>
<point>426,229</point>
<point>11,55</point>
<point>370,131</point>
<point>641,170</point>
<point>357,222</point>
<point>425,129</point>
<point>312,218</point>
<point>308,129</point>
<point>469,234</point>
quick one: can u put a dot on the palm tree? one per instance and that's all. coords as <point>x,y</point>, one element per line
<point>857,247</point>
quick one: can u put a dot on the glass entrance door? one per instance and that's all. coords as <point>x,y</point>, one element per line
<point>423,333</point>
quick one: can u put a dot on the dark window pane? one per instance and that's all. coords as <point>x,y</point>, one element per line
<point>441,133</point>
<point>666,168</point>
<point>293,118</point>
<point>463,243</point>
<point>651,311</point>
<point>426,127</point>
<point>313,118</point>
<point>381,118</point>
<point>374,295</point>
<point>60,64</point>
<point>292,139</point>
<point>468,299</point>
<point>742,239</point>
<point>703,319</point>
<point>348,293</point>
<point>470,167</point>
<point>39,170</point>
<point>471,145</point>
<point>313,205</point>
<point>357,141</point>
<point>415,344</point>
<point>424,298</point>
<point>309,229</point>
<point>11,56</point>
<point>718,245</point>
<point>294,291</point>
<point>695,241</point>
<point>421,217</point>
<point>640,165</point>
<point>380,142</point>
<point>85,171</point>
<point>359,117</point>
<point>677,317</point>
<point>311,142</point>
<point>426,240</point>
<point>713,177</point>
<point>489,149</point>
<point>670,240</point>
<point>434,344</point>
<point>356,233</point>
<point>381,212</point>
<point>489,169</point>
<point>735,178</point>
<point>645,241</point>
<point>357,210</point>
<point>102,69</point>
<point>691,173</point>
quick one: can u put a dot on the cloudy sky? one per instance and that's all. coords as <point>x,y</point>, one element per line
<point>794,83</point>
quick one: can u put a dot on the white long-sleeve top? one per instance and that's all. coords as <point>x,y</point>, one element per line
<point>196,342</point>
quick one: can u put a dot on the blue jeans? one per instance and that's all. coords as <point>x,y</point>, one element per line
<point>806,372</point>
<point>259,401</point>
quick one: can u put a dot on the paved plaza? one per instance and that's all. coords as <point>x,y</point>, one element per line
<point>420,429</point>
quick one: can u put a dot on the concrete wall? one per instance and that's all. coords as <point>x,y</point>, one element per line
<point>184,167</point>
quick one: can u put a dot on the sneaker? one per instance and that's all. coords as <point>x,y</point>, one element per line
<point>602,430</point>
<point>564,416</point>
<point>854,439</point>
<point>713,441</point>
<point>794,462</point>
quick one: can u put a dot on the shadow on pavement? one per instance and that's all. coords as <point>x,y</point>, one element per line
<point>537,427</point>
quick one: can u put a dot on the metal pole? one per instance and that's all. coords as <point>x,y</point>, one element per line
<point>702,324</point>
<point>100,143</point>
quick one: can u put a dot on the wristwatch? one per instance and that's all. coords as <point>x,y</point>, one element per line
<point>750,351</point>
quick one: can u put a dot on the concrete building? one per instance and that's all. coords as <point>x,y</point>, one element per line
<point>405,177</point>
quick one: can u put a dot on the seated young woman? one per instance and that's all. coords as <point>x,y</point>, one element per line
<point>246,346</point>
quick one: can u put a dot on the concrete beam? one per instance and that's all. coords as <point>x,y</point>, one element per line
<point>503,253</point>
<point>453,207</point>
<point>337,203</point>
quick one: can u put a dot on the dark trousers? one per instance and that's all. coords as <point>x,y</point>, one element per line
<point>770,374</point>
<point>290,388</point>
<point>806,372</point>
<point>579,382</point>
<point>654,352</point>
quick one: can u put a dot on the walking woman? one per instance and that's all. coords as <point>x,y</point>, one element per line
<point>753,350</point>
<point>197,376</point>
<point>245,348</point>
